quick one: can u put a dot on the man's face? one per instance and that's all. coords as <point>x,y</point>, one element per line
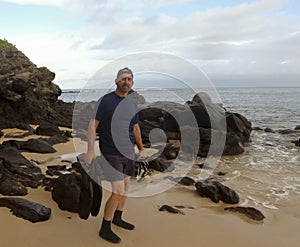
<point>125,84</point>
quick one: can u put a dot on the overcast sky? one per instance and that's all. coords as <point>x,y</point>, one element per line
<point>236,43</point>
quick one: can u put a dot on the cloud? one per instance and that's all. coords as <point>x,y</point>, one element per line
<point>248,42</point>
<point>217,29</point>
<point>112,12</point>
<point>37,2</point>
<point>239,35</point>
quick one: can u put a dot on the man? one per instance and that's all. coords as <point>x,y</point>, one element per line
<point>116,122</point>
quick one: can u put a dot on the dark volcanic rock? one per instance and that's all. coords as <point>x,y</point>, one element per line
<point>15,169</point>
<point>239,125</point>
<point>170,209</point>
<point>232,142</point>
<point>66,191</point>
<point>47,130</point>
<point>287,131</point>
<point>20,134</point>
<point>216,192</point>
<point>38,145</point>
<point>9,186</point>
<point>297,143</point>
<point>196,136</point>
<point>27,93</point>
<point>56,139</point>
<point>187,181</point>
<point>146,126</point>
<point>269,130</point>
<point>161,164</point>
<point>57,167</point>
<point>13,156</point>
<point>150,113</point>
<point>250,212</point>
<point>12,143</point>
<point>32,211</point>
<point>170,152</point>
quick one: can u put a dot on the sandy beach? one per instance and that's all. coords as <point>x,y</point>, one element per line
<point>204,223</point>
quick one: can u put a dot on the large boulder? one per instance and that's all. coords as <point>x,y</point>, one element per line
<point>239,125</point>
<point>207,113</point>
<point>216,192</point>
<point>230,144</point>
<point>66,191</point>
<point>201,122</point>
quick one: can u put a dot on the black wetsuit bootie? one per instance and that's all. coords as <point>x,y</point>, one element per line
<point>117,220</point>
<point>107,233</point>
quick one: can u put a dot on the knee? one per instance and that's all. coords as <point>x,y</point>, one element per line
<point>119,188</point>
<point>115,197</point>
<point>118,193</point>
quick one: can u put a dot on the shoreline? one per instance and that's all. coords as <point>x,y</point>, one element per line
<point>207,224</point>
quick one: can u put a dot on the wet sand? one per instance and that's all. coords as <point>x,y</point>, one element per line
<point>204,224</point>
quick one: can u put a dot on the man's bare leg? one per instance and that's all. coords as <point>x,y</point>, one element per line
<point>111,205</point>
<point>117,219</point>
<point>115,199</point>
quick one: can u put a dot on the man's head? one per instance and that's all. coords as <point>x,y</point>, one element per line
<point>122,73</point>
<point>124,80</point>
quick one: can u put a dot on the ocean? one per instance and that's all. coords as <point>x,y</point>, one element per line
<point>267,174</point>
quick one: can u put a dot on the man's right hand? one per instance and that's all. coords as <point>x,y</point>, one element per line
<point>89,156</point>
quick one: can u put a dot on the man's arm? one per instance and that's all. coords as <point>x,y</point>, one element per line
<point>90,154</point>
<point>138,138</point>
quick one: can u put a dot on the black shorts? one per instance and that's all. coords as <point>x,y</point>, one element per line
<point>115,167</point>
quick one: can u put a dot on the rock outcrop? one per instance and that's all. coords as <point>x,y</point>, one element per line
<point>211,119</point>
<point>27,93</point>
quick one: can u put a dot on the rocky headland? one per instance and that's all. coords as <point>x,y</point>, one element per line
<point>28,94</point>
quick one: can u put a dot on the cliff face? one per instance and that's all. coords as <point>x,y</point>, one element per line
<point>27,93</point>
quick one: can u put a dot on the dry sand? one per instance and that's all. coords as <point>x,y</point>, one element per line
<point>207,224</point>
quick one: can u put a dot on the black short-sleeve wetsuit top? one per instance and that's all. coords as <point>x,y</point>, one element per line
<point>116,116</point>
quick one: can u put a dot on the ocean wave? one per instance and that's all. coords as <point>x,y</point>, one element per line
<point>265,204</point>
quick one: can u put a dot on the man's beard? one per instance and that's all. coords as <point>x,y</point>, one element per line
<point>124,88</point>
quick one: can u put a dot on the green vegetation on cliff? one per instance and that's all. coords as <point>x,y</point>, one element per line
<point>5,44</point>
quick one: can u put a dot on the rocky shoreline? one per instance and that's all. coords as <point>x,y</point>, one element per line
<point>29,97</point>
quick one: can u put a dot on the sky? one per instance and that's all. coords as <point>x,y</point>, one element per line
<point>235,43</point>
